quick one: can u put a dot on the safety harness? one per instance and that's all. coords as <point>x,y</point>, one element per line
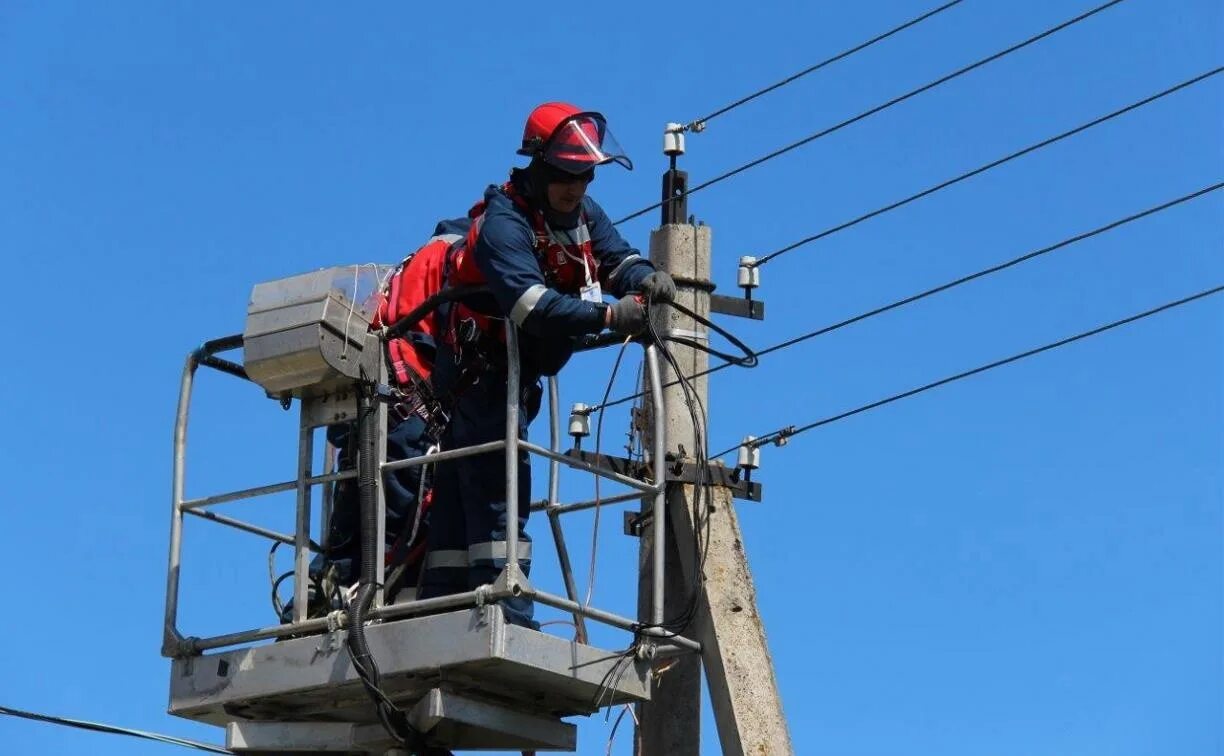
<point>566,258</point>
<point>472,327</point>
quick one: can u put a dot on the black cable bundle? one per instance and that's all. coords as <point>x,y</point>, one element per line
<point>677,625</point>
<point>392,717</point>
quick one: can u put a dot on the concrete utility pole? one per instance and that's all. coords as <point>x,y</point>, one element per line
<point>739,670</point>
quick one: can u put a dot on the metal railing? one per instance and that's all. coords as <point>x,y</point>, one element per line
<point>511,581</point>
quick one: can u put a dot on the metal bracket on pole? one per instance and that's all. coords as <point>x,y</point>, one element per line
<point>675,196</point>
<point>740,307</point>
<point>620,465</point>
<point>741,488</point>
<point>635,522</point>
<point>678,471</point>
<point>675,181</point>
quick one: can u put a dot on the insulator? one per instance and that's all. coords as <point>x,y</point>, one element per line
<point>580,420</point>
<point>673,139</point>
<point>749,275</point>
<point>749,454</point>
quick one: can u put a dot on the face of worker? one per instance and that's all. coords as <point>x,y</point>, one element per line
<point>566,194</point>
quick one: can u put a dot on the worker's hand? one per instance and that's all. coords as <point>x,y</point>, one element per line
<point>627,315</point>
<point>659,287</point>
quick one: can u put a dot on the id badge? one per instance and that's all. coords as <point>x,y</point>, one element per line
<point>592,293</point>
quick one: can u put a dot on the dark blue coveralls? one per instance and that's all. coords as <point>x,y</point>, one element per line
<point>467,522</point>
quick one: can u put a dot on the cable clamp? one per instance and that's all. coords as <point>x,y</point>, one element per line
<point>349,595</point>
<point>482,603</point>
<point>482,594</point>
<point>331,639</point>
<point>686,333</point>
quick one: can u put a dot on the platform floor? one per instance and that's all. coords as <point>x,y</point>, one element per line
<point>473,653</point>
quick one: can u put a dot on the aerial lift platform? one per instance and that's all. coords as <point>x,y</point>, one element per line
<point>466,678</point>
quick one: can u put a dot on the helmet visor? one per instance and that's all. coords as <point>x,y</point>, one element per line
<point>583,142</point>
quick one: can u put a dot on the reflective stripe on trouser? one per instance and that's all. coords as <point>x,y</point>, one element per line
<point>467,521</point>
<point>487,553</point>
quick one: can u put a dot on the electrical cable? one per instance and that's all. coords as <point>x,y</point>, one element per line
<point>878,108</point>
<point>598,441</point>
<point>749,360</point>
<point>702,483</point>
<point>791,431</point>
<point>984,168</point>
<point>699,124</point>
<point>615,726</point>
<point>81,724</point>
<point>951,284</point>
<point>277,605</point>
<point>614,674</point>
<point>701,525</point>
<point>992,269</point>
<point>393,719</point>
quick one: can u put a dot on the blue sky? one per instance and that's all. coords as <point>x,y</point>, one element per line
<point>1028,562</point>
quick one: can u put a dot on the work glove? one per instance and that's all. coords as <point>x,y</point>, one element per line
<point>627,315</point>
<point>659,287</point>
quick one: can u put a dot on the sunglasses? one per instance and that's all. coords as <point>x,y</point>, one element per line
<point>558,176</point>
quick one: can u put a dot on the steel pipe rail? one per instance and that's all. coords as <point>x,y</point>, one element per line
<point>170,635</point>
<point>553,506</point>
<point>560,509</point>
<point>659,509</point>
<point>444,456</point>
<point>249,528</point>
<point>512,580</point>
<point>513,397</point>
<point>271,488</point>
<point>608,618</point>
<point>391,611</point>
<point>578,464</point>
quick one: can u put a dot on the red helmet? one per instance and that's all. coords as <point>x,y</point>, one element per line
<point>570,139</point>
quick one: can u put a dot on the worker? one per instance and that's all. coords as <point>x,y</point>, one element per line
<point>548,254</point>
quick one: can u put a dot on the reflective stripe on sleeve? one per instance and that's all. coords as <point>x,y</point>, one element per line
<point>621,268</point>
<point>526,303</point>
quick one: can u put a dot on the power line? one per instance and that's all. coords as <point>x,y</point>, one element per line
<point>988,166</point>
<point>700,123</point>
<point>791,431</point>
<point>112,730</point>
<point>993,269</point>
<point>953,283</point>
<point>884,106</point>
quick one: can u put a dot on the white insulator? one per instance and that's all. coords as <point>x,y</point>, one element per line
<point>580,420</point>
<point>749,454</point>
<point>749,275</point>
<point>673,139</point>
